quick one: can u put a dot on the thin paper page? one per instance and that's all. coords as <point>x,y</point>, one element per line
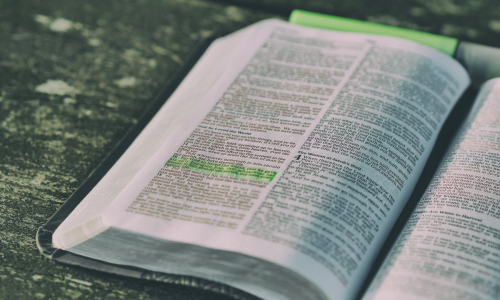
<point>450,247</point>
<point>304,153</point>
<point>204,74</point>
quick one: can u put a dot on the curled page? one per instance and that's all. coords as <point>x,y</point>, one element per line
<point>450,247</point>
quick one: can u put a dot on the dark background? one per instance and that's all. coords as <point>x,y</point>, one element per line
<point>115,56</point>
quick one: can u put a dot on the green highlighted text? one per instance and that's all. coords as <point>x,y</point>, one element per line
<point>216,168</point>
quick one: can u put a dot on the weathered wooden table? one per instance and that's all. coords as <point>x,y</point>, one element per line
<point>76,75</point>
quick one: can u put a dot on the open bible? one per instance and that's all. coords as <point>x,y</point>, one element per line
<point>281,163</point>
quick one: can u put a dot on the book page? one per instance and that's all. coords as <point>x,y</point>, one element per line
<point>450,248</point>
<point>185,98</point>
<point>303,153</point>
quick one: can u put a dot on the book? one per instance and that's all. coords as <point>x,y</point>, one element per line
<point>279,166</point>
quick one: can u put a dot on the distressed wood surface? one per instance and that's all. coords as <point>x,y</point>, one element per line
<point>76,75</point>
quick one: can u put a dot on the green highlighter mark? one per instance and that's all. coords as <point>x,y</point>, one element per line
<point>442,43</point>
<point>210,167</point>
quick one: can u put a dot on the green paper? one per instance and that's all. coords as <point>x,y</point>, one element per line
<point>442,43</point>
<point>210,167</point>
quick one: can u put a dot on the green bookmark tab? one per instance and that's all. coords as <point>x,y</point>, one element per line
<point>442,43</point>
